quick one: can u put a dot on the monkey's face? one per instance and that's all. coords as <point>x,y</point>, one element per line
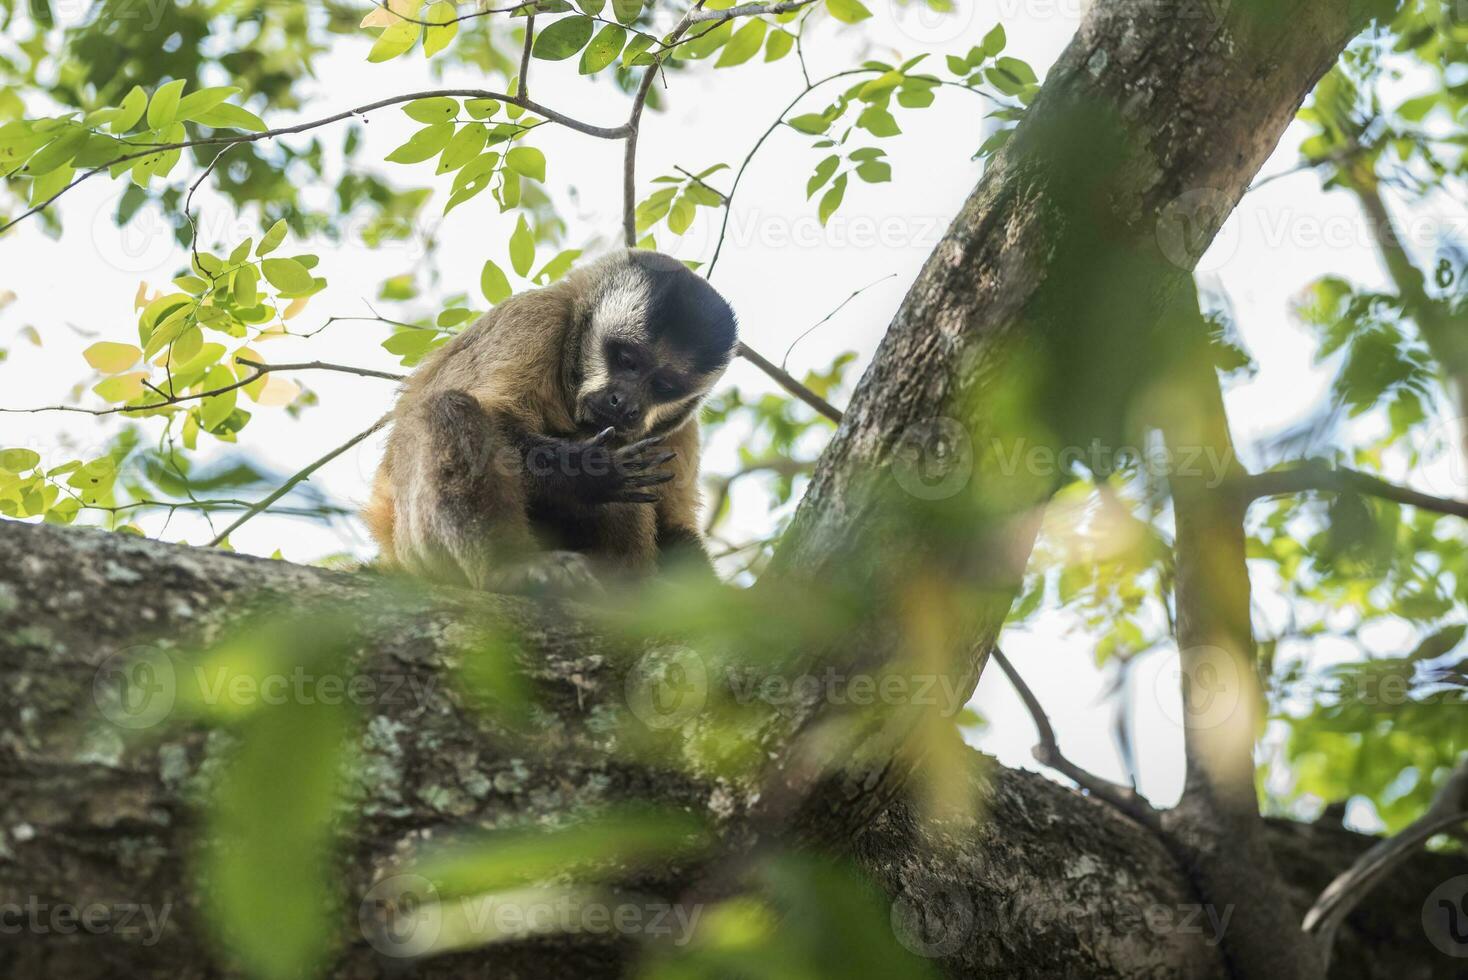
<point>658,339</point>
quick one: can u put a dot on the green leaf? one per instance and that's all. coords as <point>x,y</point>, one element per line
<point>557,267</point>
<point>197,103</point>
<point>163,109</point>
<point>848,11</point>
<point>878,121</point>
<point>626,11</point>
<point>466,144</point>
<point>831,200</point>
<point>120,388</point>
<point>778,45</point>
<point>992,44</point>
<point>526,161</point>
<point>636,51</point>
<point>396,39</point>
<point>563,38</point>
<point>823,173</point>
<point>814,123</point>
<point>437,109</point>
<point>410,344</point>
<point>276,804</point>
<point>112,358</point>
<point>680,216</point>
<point>875,172</point>
<point>245,281</point>
<point>227,116</point>
<point>287,275</point>
<point>271,239</point>
<point>522,248</point>
<point>1017,69</point>
<point>130,111</point>
<point>59,152</point>
<point>435,39</point>
<point>591,7</point>
<point>19,460</point>
<point>996,139</point>
<point>603,49</point>
<point>745,44</point>
<point>481,108</point>
<point>494,284</point>
<point>427,142</point>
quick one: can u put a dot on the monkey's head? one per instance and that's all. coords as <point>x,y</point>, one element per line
<point>656,338</point>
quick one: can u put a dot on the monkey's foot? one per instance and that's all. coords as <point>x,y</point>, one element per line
<point>558,574</point>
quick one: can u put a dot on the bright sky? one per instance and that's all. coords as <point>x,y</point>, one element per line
<point>780,269</point>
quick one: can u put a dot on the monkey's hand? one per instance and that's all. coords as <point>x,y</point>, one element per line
<point>597,473</point>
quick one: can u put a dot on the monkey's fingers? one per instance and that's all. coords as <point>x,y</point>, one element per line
<point>648,479</point>
<point>637,497</point>
<point>646,461</point>
<point>638,447</point>
<point>600,439</point>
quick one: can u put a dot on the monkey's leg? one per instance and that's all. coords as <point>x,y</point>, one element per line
<point>682,552</point>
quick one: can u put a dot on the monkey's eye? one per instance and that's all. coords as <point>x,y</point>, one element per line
<point>624,358</point>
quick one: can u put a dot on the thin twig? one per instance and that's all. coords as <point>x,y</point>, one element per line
<point>1048,753</point>
<point>1448,809</point>
<point>839,307</point>
<point>782,465</point>
<point>1318,476</point>
<point>454,20</point>
<point>702,183</point>
<point>294,481</point>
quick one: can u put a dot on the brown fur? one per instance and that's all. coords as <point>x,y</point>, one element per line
<point>449,501</point>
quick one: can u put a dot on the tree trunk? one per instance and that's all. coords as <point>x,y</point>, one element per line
<point>1041,882</point>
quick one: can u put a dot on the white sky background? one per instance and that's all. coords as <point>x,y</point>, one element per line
<point>780,269</point>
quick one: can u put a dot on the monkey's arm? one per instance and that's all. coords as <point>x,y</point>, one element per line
<point>681,547</point>
<point>592,471</point>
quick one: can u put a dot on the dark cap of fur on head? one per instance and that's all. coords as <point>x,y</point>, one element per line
<point>686,311</point>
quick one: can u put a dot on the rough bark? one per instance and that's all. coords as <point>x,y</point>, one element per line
<point>1041,882</point>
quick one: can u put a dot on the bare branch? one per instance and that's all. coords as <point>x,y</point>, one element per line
<point>787,382</point>
<point>1332,479</point>
<point>1448,809</point>
<point>294,481</point>
<point>747,10</point>
<point>602,132</point>
<point>1048,753</point>
<point>320,366</point>
<point>525,55</point>
<point>720,486</point>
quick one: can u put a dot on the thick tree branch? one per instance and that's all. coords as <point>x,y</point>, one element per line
<point>1449,809</point>
<point>1338,479</point>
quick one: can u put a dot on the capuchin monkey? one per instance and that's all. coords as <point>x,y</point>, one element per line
<point>555,442</point>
